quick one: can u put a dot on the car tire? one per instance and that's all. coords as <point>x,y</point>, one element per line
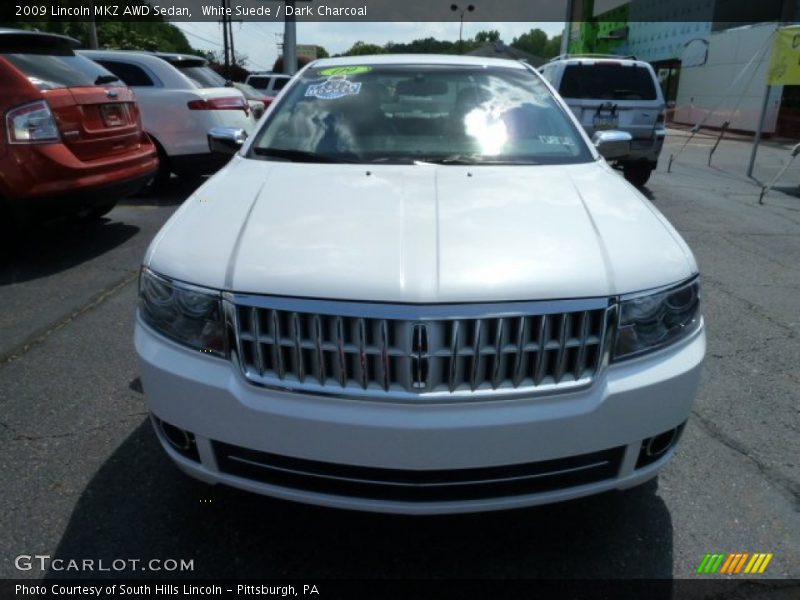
<point>163,174</point>
<point>637,173</point>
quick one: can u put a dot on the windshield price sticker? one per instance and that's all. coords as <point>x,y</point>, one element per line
<point>333,88</point>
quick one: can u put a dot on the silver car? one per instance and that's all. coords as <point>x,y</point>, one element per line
<point>614,92</point>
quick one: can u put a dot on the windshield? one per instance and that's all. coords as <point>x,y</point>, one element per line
<point>412,113</point>
<point>49,71</point>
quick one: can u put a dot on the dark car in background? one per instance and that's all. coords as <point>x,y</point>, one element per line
<point>71,139</point>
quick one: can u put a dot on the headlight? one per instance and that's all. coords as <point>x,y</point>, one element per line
<point>188,314</point>
<point>652,321</point>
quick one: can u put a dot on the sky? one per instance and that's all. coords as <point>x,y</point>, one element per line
<point>258,40</point>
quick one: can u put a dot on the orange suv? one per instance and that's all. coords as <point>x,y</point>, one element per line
<point>71,139</point>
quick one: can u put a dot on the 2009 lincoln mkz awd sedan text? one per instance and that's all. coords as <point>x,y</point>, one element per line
<point>419,287</point>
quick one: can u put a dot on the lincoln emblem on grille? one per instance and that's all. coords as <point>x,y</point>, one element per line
<point>419,356</point>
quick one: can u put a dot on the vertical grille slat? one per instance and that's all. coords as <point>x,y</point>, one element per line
<point>441,358</point>
<point>519,358</point>
<point>257,348</point>
<point>385,353</point>
<point>298,366</point>
<point>320,356</point>
<point>561,356</point>
<point>581,357</point>
<point>361,334</point>
<point>454,347</point>
<point>476,355</point>
<point>541,350</point>
<point>498,354</point>
<point>277,352</point>
<point>343,377</point>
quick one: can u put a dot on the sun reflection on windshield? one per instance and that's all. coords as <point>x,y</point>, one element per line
<point>488,129</point>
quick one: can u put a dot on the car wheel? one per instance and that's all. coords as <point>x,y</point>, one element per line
<point>637,173</point>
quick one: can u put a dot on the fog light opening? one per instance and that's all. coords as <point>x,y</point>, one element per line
<point>658,445</point>
<point>177,438</point>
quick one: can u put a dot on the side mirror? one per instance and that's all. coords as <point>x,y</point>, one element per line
<point>612,143</point>
<point>226,140</point>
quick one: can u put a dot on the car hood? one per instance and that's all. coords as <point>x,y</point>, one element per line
<point>420,233</point>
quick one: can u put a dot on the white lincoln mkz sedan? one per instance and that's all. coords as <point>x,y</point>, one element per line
<point>418,287</point>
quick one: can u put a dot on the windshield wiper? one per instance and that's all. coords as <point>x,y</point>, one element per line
<point>474,159</point>
<point>105,79</point>
<point>301,155</point>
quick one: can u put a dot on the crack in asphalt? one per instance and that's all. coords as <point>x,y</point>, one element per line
<point>755,308</point>
<point>67,434</point>
<point>21,350</point>
<point>754,252</point>
<point>786,485</point>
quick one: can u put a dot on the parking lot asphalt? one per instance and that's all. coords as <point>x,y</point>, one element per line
<point>82,475</point>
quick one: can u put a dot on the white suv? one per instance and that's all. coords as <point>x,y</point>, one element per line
<point>270,84</point>
<point>419,288</point>
<point>614,92</point>
<point>180,99</point>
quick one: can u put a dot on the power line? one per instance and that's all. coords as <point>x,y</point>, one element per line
<point>218,45</point>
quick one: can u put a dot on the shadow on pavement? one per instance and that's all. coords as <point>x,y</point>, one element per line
<point>170,193</point>
<point>140,506</point>
<point>60,245</point>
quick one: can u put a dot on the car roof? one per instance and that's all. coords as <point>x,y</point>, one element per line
<point>178,59</point>
<point>577,59</point>
<point>170,57</point>
<point>418,59</point>
<point>24,36</point>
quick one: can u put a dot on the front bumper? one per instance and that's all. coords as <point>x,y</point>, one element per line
<point>348,442</point>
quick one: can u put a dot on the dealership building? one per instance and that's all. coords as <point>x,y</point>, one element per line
<point>711,56</point>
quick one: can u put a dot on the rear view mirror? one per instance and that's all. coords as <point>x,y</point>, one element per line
<point>612,143</point>
<point>226,140</point>
<point>421,87</point>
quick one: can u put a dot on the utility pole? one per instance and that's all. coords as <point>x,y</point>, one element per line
<point>230,43</point>
<point>289,39</point>
<point>225,45</point>
<point>92,29</point>
<point>567,30</point>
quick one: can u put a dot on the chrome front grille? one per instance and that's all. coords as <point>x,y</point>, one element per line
<point>420,352</point>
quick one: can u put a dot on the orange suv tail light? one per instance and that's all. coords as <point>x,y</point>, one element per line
<point>31,123</point>
<point>228,103</point>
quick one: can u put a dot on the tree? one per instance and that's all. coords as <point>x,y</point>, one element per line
<point>123,35</point>
<point>483,37</point>
<point>553,47</point>
<point>361,49</point>
<point>534,42</point>
<point>322,53</point>
<point>537,43</point>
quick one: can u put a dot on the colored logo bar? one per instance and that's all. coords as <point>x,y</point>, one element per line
<point>735,563</point>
